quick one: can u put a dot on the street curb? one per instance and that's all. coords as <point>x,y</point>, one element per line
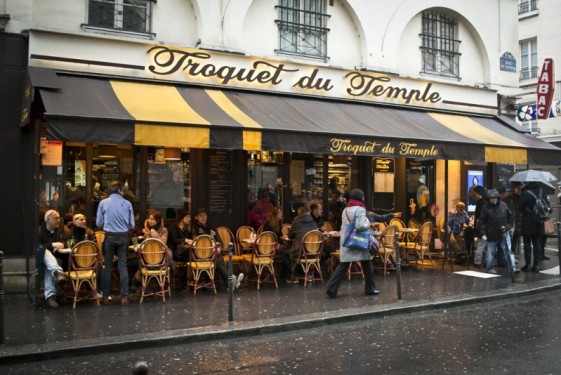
<point>34,352</point>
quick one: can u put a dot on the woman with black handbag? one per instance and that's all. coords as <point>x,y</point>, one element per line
<point>354,215</point>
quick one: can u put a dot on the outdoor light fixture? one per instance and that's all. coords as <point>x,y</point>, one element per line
<point>106,151</point>
<point>172,154</point>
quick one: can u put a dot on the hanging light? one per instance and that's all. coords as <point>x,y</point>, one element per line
<point>172,154</point>
<point>106,151</point>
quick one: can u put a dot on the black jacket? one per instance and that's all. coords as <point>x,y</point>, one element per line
<point>525,224</point>
<point>493,217</point>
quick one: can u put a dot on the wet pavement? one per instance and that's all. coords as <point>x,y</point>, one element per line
<point>34,334</point>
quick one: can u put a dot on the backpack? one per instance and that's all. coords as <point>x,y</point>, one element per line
<point>540,211</point>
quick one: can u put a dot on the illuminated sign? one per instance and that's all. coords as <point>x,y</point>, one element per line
<point>384,165</point>
<point>545,89</point>
<point>403,149</point>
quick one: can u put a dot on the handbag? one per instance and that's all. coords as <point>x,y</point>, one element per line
<point>548,227</point>
<point>373,245</point>
<point>354,239</point>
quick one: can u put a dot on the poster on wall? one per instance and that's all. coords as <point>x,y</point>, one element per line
<point>51,153</point>
<point>474,178</point>
<point>79,173</point>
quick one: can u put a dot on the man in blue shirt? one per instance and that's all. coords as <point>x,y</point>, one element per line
<point>115,215</point>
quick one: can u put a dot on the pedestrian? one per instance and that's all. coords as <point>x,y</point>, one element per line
<point>530,229</point>
<point>354,213</point>
<point>496,217</point>
<point>479,195</point>
<point>116,216</point>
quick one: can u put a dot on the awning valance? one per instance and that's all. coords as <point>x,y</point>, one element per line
<point>117,111</point>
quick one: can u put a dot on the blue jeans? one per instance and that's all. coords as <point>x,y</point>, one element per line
<point>116,245</point>
<point>492,247</point>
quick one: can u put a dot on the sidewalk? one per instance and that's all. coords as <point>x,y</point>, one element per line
<point>33,334</point>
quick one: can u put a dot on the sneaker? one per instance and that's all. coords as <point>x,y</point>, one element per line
<point>52,303</point>
<point>492,271</point>
<point>292,281</point>
<point>124,300</point>
<point>526,268</point>
<point>516,271</point>
<point>330,295</point>
<point>238,281</point>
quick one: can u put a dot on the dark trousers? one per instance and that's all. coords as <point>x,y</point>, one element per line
<point>116,245</point>
<point>340,272</point>
<point>543,240</point>
<point>532,245</point>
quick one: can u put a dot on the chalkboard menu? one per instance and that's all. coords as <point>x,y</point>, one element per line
<point>221,176</point>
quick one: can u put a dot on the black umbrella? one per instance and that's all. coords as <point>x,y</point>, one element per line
<point>481,190</point>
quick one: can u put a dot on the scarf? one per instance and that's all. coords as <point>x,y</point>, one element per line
<point>353,203</point>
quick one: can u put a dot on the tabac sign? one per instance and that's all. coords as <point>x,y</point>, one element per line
<point>545,89</point>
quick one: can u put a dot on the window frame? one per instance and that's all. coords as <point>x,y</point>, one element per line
<point>302,28</point>
<point>119,19</point>
<point>529,70</point>
<point>439,45</point>
<point>527,6</point>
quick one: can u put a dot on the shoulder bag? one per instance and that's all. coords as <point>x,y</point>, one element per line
<point>354,239</point>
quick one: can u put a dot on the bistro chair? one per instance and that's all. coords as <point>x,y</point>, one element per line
<point>153,264</point>
<point>310,255</point>
<point>244,233</point>
<point>386,251</point>
<point>455,247</point>
<point>263,256</point>
<point>260,229</point>
<point>402,238</point>
<point>285,229</point>
<point>99,238</point>
<point>82,269</point>
<point>202,260</point>
<point>226,238</point>
<point>421,246</point>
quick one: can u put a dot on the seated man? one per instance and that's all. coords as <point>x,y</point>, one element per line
<point>458,222</point>
<point>53,237</point>
<point>301,225</point>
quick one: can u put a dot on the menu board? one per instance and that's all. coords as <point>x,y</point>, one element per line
<point>221,176</point>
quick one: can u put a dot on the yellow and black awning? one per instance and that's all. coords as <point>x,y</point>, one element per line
<point>117,111</point>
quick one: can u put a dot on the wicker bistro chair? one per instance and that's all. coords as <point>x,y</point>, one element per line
<point>421,246</point>
<point>226,237</point>
<point>403,238</point>
<point>310,255</point>
<point>202,260</point>
<point>386,252</point>
<point>82,269</point>
<point>153,264</point>
<point>285,229</point>
<point>263,257</point>
<point>244,232</point>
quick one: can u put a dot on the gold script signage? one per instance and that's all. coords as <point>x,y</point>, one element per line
<point>201,66</point>
<point>401,149</point>
<point>384,165</point>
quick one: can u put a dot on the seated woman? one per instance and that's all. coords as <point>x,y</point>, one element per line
<point>154,226</point>
<point>178,234</point>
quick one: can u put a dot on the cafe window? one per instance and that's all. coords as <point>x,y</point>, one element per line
<point>121,15</point>
<point>169,187</point>
<point>302,28</point>
<point>440,45</point>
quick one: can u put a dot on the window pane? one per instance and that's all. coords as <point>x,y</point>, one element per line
<point>102,13</point>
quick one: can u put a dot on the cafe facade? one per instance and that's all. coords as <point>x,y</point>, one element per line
<point>184,124</point>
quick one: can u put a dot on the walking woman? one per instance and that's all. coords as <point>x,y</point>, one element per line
<point>354,212</point>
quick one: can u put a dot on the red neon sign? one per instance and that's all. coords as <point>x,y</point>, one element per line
<point>545,89</point>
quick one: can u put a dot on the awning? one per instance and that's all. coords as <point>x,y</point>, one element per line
<point>101,110</point>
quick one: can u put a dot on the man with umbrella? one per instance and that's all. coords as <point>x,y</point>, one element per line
<point>537,184</point>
